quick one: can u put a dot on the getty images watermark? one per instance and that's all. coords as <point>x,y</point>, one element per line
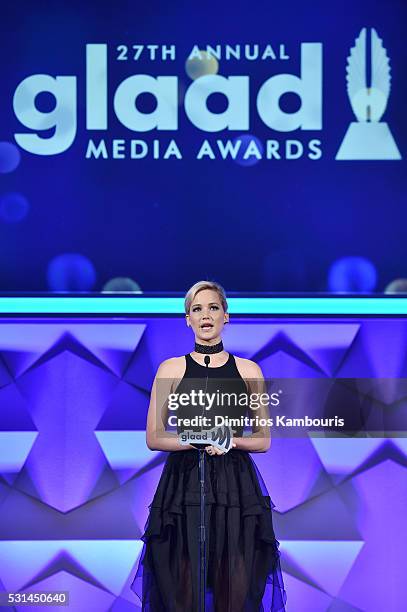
<point>284,407</point>
<point>218,400</point>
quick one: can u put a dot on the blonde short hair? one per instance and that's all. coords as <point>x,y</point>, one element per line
<point>200,286</point>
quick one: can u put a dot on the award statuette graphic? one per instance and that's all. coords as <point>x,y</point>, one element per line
<point>368,138</point>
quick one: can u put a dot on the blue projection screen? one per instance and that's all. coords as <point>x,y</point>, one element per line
<point>146,140</point>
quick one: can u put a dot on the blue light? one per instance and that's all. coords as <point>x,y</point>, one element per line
<point>121,284</point>
<point>352,275</point>
<point>9,157</point>
<point>71,272</point>
<point>14,207</point>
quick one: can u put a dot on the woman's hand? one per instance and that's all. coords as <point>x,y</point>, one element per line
<point>213,450</point>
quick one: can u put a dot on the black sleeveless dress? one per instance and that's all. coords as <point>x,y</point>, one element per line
<point>243,560</point>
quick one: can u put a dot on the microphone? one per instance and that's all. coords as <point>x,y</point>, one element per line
<point>207,361</point>
<point>202,527</point>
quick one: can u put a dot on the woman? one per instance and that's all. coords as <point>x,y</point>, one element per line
<point>243,571</point>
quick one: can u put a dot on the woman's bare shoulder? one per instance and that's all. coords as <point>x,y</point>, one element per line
<point>172,367</point>
<point>248,368</point>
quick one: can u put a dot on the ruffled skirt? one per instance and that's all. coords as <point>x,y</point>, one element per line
<point>243,561</point>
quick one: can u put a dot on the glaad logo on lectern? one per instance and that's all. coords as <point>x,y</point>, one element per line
<point>368,138</point>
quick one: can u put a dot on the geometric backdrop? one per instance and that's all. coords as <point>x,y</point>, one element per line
<point>76,476</point>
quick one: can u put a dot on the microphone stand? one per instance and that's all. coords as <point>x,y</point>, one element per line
<point>202,528</point>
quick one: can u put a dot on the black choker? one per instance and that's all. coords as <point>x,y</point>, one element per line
<point>208,349</point>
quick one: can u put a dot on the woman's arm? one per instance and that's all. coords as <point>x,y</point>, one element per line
<point>156,436</point>
<point>260,440</point>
